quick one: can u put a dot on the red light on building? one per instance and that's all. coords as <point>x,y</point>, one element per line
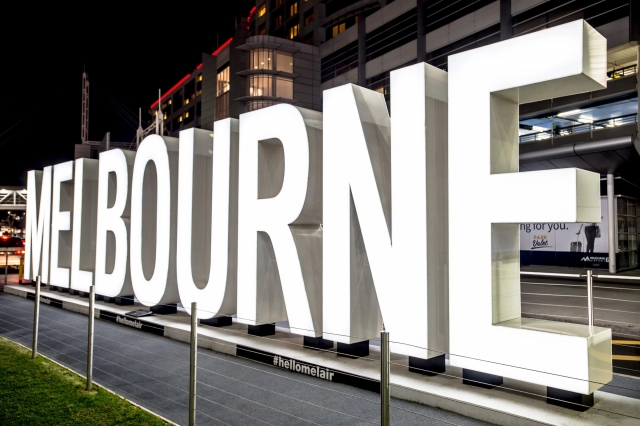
<point>178,84</point>
<point>219,49</point>
<point>199,66</point>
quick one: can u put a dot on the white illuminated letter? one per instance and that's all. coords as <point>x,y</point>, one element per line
<point>488,199</point>
<point>154,194</point>
<point>279,216</point>
<point>38,224</point>
<point>61,206</point>
<point>112,252</point>
<point>85,217</point>
<point>206,172</point>
<point>384,194</point>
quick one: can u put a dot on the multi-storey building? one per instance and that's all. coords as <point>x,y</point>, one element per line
<point>289,51</point>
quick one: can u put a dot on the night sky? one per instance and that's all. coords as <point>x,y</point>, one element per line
<point>128,55</point>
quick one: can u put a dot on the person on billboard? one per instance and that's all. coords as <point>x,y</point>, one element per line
<point>591,232</point>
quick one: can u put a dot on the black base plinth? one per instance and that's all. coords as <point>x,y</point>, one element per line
<point>62,289</point>
<point>74,292</point>
<point>122,300</point>
<point>170,308</point>
<point>428,367</point>
<point>571,400</point>
<point>317,343</point>
<point>83,294</point>
<point>481,380</point>
<point>354,350</point>
<point>217,321</point>
<point>262,330</point>
<point>100,297</point>
<point>53,288</point>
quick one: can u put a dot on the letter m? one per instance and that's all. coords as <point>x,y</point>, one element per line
<point>38,224</point>
<point>385,213</point>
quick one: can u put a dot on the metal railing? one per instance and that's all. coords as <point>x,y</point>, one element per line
<point>622,72</point>
<point>589,276</point>
<point>580,128</point>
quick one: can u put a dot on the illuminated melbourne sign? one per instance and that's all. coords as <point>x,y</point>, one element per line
<point>341,221</point>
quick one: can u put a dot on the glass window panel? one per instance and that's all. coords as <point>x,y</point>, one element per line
<point>284,62</point>
<point>260,59</point>
<point>260,85</point>
<point>224,82</point>
<point>284,88</point>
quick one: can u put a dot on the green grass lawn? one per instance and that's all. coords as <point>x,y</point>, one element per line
<point>40,392</point>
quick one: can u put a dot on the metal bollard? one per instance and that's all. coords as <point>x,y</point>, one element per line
<point>36,318</point>
<point>385,358</point>
<point>6,266</point>
<point>590,296</point>
<point>193,364</point>
<point>91,314</point>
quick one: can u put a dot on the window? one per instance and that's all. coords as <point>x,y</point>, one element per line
<point>262,10</point>
<point>293,9</point>
<point>339,29</point>
<point>199,77</point>
<point>223,87</point>
<point>278,21</point>
<point>260,85</point>
<point>186,101</point>
<point>188,116</point>
<point>164,116</point>
<point>254,105</point>
<point>277,3</point>
<point>284,88</point>
<point>180,119</point>
<point>284,62</point>
<point>262,29</point>
<point>224,84</point>
<point>308,17</point>
<point>169,101</point>
<point>293,31</point>
<point>222,106</point>
<point>260,59</point>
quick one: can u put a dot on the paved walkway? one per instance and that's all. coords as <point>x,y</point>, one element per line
<point>153,372</point>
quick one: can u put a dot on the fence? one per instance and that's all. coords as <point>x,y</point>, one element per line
<point>580,128</point>
<point>210,387</point>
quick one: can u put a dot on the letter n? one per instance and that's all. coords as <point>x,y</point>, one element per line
<point>385,212</point>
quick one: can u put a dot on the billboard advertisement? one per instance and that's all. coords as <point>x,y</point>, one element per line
<point>581,245</point>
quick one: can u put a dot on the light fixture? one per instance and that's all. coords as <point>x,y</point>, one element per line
<point>572,112</point>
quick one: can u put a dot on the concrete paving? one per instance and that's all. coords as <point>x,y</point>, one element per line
<point>153,372</point>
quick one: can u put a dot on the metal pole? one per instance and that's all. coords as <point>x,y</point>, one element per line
<point>590,296</point>
<point>91,313</point>
<point>6,266</point>
<point>611,223</point>
<point>193,364</point>
<point>385,357</point>
<point>36,318</point>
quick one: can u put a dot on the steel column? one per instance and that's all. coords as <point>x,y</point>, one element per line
<point>193,364</point>
<point>590,296</point>
<point>36,318</point>
<point>385,357</point>
<point>91,313</point>
<point>612,222</point>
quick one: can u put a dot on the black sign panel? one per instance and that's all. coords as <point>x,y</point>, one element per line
<point>132,322</point>
<point>305,368</point>
<point>46,300</point>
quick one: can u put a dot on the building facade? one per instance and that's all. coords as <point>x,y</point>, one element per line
<point>289,51</point>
